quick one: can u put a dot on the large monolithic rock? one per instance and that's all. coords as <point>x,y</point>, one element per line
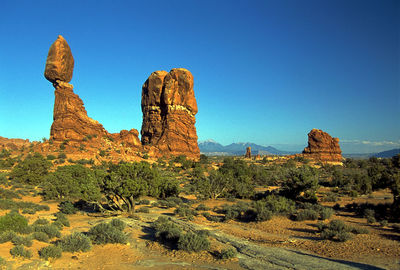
<point>248,152</point>
<point>70,119</point>
<point>169,108</point>
<point>321,146</point>
<point>60,62</point>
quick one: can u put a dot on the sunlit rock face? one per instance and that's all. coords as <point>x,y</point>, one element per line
<point>321,146</point>
<point>169,108</point>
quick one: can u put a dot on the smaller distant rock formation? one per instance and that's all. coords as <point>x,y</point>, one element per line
<point>248,152</point>
<point>169,108</point>
<point>322,147</point>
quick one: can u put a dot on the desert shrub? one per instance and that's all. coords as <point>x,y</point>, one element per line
<point>369,214</point>
<point>383,223</point>
<point>72,182</point>
<point>32,170</point>
<point>193,242</point>
<point>27,206</point>
<point>9,194</point>
<point>307,214</point>
<point>3,262</point>
<point>330,197</point>
<point>41,221</point>
<point>104,233</point>
<point>185,212</point>
<point>166,231</point>
<point>67,207</point>
<point>41,236</point>
<point>211,218</point>
<point>52,251</point>
<point>325,213</point>
<point>359,230</point>
<point>51,157</point>
<point>227,253</point>
<point>279,205</point>
<point>143,209</point>
<point>202,207</point>
<point>13,221</point>
<point>336,230</point>
<point>75,242</point>
<point>62,218</point>
<point>22,240</point>
<point>145,202</point>
<point>20,251</point>
<point>7,236</point>
<point>51,230</point>
<point>118,224</point>
<point>301,184</point>
<point>62,156</point>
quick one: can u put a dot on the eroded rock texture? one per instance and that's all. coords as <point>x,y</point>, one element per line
<point>60,62</point>
<point>70,119</point>
<point>321,146</point>
<point>169,108</point>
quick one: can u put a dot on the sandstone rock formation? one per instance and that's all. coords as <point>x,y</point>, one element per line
<point>248,152</point>
<point>71,121</point>
<point>60,62</point>
<point>322,147</point>
<point>169,108</point>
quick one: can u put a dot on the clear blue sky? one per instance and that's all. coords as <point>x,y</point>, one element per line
<point>265,71</point>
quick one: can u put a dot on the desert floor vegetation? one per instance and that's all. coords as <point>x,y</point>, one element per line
<point>176,208</point>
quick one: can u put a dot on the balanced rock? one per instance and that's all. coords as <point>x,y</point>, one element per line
<point>60,62</point>
<point>70,119</point>
<point>248,152</point>
<point>169,108</point>
<point>322,147</point>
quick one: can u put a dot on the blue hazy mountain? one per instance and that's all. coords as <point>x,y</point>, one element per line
<point>211,147</point>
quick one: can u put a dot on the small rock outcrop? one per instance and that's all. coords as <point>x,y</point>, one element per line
<point>322,147</point>
<point>169,108</point>
<point>248,152</point>
<point>70,119</point>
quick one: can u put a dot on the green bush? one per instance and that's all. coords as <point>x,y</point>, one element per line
<point>185,212</point>
<point>118,224</point>
<point>104,233</point>
<point>166,231</point>
<point>20,251</point>
<point>41,236</point>
<point>202,207</point>
<point>75,242</point>
<point>52,251</point>
<point>25,206</point>
<point>145,202</point>
<point>62,218</point>
<point>51,157</point>
<point>336,230</point>
<point>7,236</point>
<point>32,170</point>
<point>74,182</point>
<point>8,194</point>
<point>359,230</point>
<point>13,222</point>
<point>307,214</point>
<point>143,209</point>
<point>193,242</point>
<point>227,253</point>
<point>51,230</point>
<point>67,207</point>
<point>301,184</point>
<point>22,240</point>
<point>41,221</point>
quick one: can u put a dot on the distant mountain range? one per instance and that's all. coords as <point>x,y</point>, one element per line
<point>211,147</point>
